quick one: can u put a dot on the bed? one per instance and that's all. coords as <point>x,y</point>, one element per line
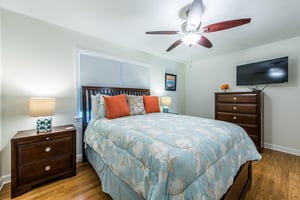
<point>158,155</point>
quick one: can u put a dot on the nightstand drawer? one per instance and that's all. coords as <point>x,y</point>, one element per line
<point>237,108</point>
<point>31,151</point>
<point>237,118</point>
<point>43,170</point>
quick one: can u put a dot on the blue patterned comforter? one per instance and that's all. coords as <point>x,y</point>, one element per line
<point>166,156</point>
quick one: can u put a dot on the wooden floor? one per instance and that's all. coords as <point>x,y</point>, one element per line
<point>275,177</point>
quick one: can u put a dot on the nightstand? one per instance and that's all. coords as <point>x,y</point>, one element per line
<point>38,158</point>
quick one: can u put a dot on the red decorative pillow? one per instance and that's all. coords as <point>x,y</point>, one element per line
<point>116,106</point>
<point>151,104</point>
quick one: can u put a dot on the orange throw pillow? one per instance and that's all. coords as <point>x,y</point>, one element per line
<point>151,104</point>
<point>116,106</point>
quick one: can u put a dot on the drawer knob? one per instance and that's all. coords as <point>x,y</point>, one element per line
<point>47,138</point>
<point>234,117</point>
<point>234,108</point>
<point>47,149</point>
<point>47,168</point>
<point>234,98</point>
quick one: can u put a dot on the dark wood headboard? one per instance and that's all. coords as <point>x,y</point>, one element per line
<point>87,91</point>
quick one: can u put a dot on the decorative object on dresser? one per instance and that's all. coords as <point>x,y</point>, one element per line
<point>165,102</point>
<point>38,158</point>
<point>42,107</point>
<point>224,87</point>
<point>244,109</point>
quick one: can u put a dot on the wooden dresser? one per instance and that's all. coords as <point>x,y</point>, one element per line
<point>244,109</point>
<point>37,158</point>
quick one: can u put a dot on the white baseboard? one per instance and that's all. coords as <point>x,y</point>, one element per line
<point>1,183</point>
<point>78,157</point>
<point>282,149</point>
<point>4,180</point>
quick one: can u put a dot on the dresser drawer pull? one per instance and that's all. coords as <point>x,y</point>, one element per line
<point>234,98</point>
<point>234,117</point>
<point>47,138</point>
<point>234,108</point>
<point>47,149</point>
<point>47,168</point>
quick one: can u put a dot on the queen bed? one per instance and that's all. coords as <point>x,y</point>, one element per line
<point>164,156</point>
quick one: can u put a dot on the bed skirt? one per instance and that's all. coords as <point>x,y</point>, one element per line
<point>111,183</point>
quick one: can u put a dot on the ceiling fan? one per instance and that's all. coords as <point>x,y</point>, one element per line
<point>192,30</point>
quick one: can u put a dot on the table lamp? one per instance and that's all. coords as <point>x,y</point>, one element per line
<point>42,108</point>
<point>165,102</point>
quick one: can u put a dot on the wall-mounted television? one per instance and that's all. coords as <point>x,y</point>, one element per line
<point>264,72</point>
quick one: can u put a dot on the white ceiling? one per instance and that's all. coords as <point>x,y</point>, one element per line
<point>125,22</point>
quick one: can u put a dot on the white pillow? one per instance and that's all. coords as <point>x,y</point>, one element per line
<point>94,107</point>
<point>98,106</point>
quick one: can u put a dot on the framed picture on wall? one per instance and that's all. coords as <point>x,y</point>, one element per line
<point>170,82</point>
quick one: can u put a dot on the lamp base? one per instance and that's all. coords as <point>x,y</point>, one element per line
<point>165,109</point>
<point>44,125</point>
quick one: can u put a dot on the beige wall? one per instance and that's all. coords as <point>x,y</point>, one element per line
<point>39,59</point>
<point>0,85</point>
<point>0,98</point>
<point>281,100</point>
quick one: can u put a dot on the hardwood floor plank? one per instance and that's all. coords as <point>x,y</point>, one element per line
<point>275,177</point>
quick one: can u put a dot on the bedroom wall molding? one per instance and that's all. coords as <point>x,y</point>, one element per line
<point>110,57</point>
<point>124,67</point>
<point>282,149</point>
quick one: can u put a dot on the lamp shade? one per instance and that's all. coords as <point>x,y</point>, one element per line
<point>165,101</point>
<point>41,107</point>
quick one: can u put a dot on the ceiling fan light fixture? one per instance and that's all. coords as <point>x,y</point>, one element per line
<point>192,31</point>
<point>190,39</point>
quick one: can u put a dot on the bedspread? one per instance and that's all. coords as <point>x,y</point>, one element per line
<point>167,156</point>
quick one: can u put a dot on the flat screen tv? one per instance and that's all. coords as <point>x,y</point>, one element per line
<point>264,72</point>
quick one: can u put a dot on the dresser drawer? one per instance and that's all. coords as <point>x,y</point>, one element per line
<point>251,129</point>
<point>254,138</point>
<point>237,108</point>
<point>45,169</point>
<point>237,118</point>
<point>31,151</point>
<point>237,98</point>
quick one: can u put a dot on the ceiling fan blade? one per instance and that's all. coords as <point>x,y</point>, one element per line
<point>175,44</point>
<point>162,32</point>
<point>225,25</point>
<point>194,15</point>
<point>203,41</point>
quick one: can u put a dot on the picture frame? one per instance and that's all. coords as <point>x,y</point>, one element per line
<point>170,82</point>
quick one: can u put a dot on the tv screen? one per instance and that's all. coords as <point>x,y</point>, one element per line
<point>264,72</point>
